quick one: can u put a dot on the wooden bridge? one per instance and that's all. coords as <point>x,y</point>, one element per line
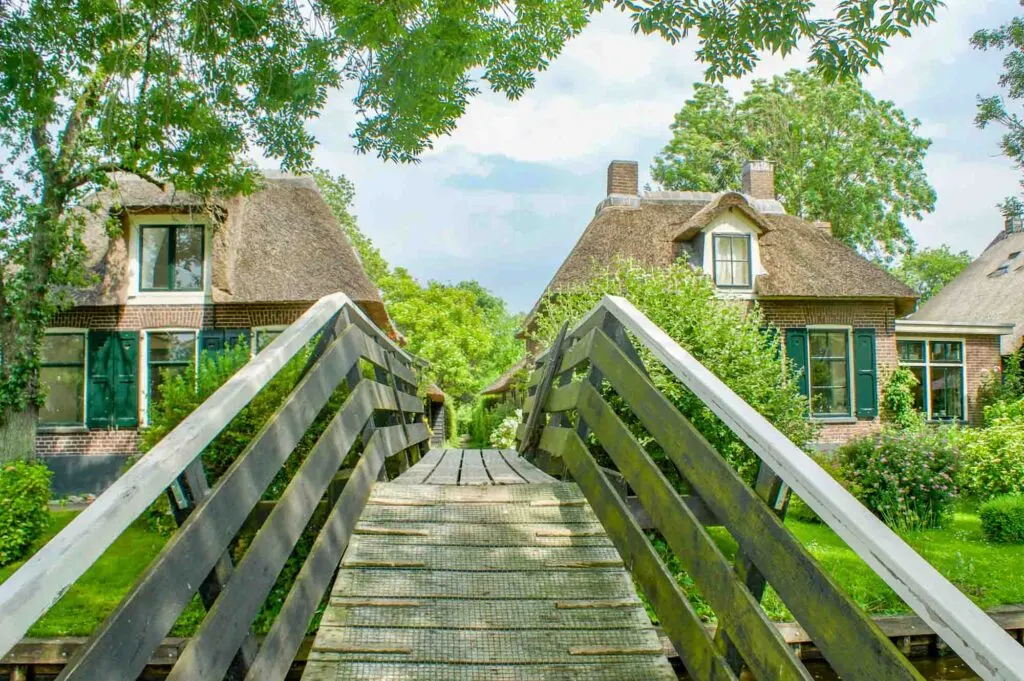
<point>486,564</point>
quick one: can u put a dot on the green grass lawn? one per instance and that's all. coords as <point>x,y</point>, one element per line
<point>988,573</point>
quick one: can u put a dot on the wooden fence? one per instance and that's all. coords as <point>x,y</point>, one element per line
<point>591,394</point>
<point>380,419</point>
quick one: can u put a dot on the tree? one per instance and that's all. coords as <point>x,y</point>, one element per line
<point>929,269</point>
<point>339,193</point>
<point>840,155</point>
<point>993,109</point>
<point>724,337</point>
<point>180,91</point>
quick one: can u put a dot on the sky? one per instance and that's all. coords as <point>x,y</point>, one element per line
<point>504,198</point>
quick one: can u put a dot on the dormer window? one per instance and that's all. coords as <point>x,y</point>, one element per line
<point>171,258</point>
<point>732,260</point>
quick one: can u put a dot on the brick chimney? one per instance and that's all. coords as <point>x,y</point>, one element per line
<point>759,179</point>
<point>623,178</point>
<point>1012,224</point>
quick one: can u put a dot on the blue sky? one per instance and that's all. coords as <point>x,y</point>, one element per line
<point>504,198</point>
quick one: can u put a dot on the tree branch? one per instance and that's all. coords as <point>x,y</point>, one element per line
<point>77,119</point>
<point>84,177</point>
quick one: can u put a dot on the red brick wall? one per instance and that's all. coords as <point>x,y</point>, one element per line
<point>89,442</point>
<point>983,359</point>
<point>879,315</point>
<point>134,317</point>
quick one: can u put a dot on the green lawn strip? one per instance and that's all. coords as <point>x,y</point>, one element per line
<point>987,573</point>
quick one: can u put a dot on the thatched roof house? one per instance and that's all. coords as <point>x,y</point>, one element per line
<point>281,244</point>
<point>990,291</point>
<point>504,383</point>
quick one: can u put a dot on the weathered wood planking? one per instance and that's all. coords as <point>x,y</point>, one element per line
<point>813,597</point>
<point>473,471</point>
<point>447,471</point>
<point>499,470</point>
<point>527,470</point>
<point>418,473</point>
<point>38,584</point>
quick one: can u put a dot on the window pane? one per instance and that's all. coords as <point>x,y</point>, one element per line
<point>158,373</point>
<point>739,248</point>
<point>155,257</point>
<point>829,373</point>
<point>918,390</point>
<point>741,274</point>
<point>63,349</point>
<point>188,258</point>
<point>723,248</point>
<point>830,402</point>
<point>172,347</point>
<point>828,344</point>
<point>911,351</point>
<point>947,395</point>
<point>64,394</point>
<point>947,351</point>
<point>265,338</point>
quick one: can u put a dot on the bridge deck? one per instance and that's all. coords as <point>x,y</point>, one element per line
<point>482,576</point>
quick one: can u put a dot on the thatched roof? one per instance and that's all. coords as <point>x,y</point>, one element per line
<point>984,293</point>
<point>801,259</point>
<point>279,244</point>
<point>504,382</point>
<point>435,394</point>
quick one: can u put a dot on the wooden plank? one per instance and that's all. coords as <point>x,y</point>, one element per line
<point>553,584</point>
<point>473,471</point>
<point>285,635</point>
<point>47,575</point>
<point>376,671</point>
<point>677,616</point>
<point>209,652</point>
<point>421,470</point>
<point>447,472</point>
<point>757,640</point>
<point>812,596</point>
<point>466,534</point>
<point>147,614</point>
<point>365,550</point>
<point>524,468</point>
<point>957,620</point>
<point>499,470</point>
<point>535,419</point>
<point>560,399</point>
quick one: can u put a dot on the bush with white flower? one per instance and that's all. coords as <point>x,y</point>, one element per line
<point>504,436</point>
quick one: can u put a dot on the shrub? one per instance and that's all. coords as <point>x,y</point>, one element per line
<point>487,415</point>
<point>1006,385</point>
<point>799,510</point>
<point>24,494</point>
<point>898,399</point>
<point>504,436</point>
<point>1002,519</point>
<point>905,477</point>
<point>451,421</point>
<point>992,458</point>
<point>727,338</point>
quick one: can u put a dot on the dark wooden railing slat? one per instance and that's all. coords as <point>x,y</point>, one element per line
<point>533,421</point>
<point>847,637</point>
<point>149,611</point>
<point>681,623</point>
<point>738,611</point>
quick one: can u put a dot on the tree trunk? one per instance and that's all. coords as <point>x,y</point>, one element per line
<point>18,435</point>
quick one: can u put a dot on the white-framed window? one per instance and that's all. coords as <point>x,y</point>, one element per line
<point>168,352</point>
<point>170,259</point>
<point>732,257</point>
<point>828,372</point>
<point>938,364</point>
<point>262,336</point>
<point>62,376</point>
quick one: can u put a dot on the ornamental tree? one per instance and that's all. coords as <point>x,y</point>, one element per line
<point>840,155</point>
<point>182,92</point>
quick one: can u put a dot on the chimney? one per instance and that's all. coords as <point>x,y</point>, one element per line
<point>1014,224</point>
<point>623,178</point>
<point>759,179</point>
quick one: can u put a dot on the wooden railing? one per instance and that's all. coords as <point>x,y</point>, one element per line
<point>569,405</point>
<point>379,419</point>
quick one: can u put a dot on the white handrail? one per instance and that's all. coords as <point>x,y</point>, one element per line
<point>965,627</point>
<point>45,577</point>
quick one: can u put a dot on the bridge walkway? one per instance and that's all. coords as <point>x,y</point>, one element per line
<point>477,565</point>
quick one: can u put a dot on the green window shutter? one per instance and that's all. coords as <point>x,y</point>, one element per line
<point>211,340</point>
<point>866,373</point>
<point>233,337</point>
<point>796,351</point>
<point>126,379</point>
<point>99,389</point>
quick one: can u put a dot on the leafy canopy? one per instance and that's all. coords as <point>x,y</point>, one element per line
<point>840,155</point>
<point>994,109</point>
<point>929,269</point>
<point>722,336</point>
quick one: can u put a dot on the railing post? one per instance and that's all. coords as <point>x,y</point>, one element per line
<point>531,435</point>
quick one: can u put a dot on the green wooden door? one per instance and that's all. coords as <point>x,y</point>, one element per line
<point>796,352</point>
<point>113,389</point>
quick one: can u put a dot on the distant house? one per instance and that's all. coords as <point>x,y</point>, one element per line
<point>836,310</point>
<point>175,277</point>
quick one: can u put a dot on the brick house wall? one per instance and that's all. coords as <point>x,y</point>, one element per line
<point>879,315</point>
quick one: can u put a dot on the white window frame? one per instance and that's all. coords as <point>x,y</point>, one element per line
<point>850,372</point>
<point>254,331</point>
<point>927,364</point>
<point>144,364</point>
<point>136,296</point>
<point>731,223</point>
<point>70,331</point>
